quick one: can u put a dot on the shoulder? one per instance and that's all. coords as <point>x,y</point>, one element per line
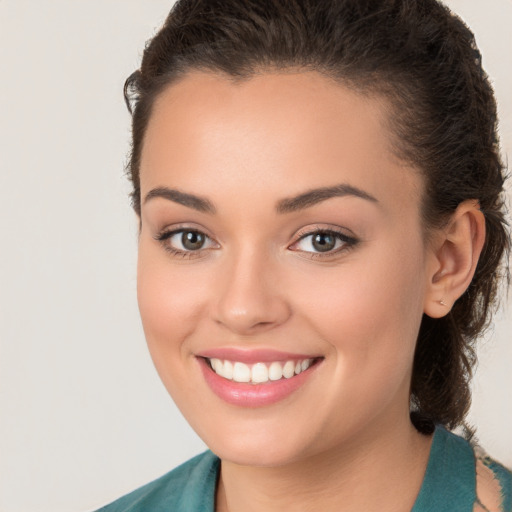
<point>460,477</point>
<point>493,483</point>
<point>190,486</point>
<point>492,480</point>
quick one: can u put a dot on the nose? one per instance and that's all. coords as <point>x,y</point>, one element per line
<point>250,298</point>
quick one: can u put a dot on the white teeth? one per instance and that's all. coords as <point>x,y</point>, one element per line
<point>275,372</point>
<point>305,364</point>
<point>289,369</point>
<point>241,372</point>
<point>258,373</point>
<point>227,371</point>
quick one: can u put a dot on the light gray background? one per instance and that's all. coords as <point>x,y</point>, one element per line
<point>83,416</point>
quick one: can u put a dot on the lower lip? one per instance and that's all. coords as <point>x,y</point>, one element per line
<point>253,395</point>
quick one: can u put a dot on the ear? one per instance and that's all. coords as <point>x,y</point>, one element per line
<point>453,258</point>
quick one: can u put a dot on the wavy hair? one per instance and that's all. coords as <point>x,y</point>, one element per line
<point>424,60</point>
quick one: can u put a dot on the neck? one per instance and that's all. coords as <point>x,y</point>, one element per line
<point>377,472</point>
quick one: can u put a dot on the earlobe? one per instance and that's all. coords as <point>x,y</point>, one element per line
<point>454,258</point>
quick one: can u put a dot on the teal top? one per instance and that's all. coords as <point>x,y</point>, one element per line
<point>449,484</point>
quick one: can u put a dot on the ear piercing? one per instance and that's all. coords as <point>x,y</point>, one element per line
<point>443,303</point>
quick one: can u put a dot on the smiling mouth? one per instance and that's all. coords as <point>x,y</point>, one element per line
<point>259,373</point>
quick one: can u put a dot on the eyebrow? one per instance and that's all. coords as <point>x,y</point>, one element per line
<point>190,200</point>
<point>288,205</point>
<point>317,195</point>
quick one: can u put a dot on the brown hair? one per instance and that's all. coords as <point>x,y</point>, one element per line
<point>425,61</point>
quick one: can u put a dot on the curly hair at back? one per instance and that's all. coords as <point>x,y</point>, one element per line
<point>420,57</point>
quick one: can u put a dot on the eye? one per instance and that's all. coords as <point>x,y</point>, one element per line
<point>185,241</point>
<point>189,240</point>
<point>323,242</point>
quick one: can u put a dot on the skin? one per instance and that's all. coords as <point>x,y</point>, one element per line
<point>256,284</point>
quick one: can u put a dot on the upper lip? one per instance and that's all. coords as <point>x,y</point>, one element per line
<point>252,356</point>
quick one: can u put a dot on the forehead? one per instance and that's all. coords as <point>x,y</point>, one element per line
<point>283,131</point>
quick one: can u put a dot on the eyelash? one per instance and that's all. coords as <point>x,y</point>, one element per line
<point>164,236</point>
<point>348,242</point>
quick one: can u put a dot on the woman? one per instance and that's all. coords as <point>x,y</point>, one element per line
<point>322,236</point>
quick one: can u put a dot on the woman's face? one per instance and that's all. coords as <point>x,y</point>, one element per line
<point>280,234</point>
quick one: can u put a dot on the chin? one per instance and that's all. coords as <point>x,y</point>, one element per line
<point>259,443</point>
<point>256,455</point>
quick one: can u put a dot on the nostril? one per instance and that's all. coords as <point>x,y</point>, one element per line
<point>248,301</point>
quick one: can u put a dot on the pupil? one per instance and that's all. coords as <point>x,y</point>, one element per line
<point>192,240</point>
<point>324,242</point>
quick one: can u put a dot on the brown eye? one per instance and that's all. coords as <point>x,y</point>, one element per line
<point>186,241</point>
<point>323,242</point>
<point>192,240</point>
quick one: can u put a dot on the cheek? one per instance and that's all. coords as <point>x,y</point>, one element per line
<point>171,306</point>
<point>369,312</point>
<point>170,303</point>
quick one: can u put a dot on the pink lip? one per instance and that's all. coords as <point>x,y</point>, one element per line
<point>253,395</point>
<point>253,356</point>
